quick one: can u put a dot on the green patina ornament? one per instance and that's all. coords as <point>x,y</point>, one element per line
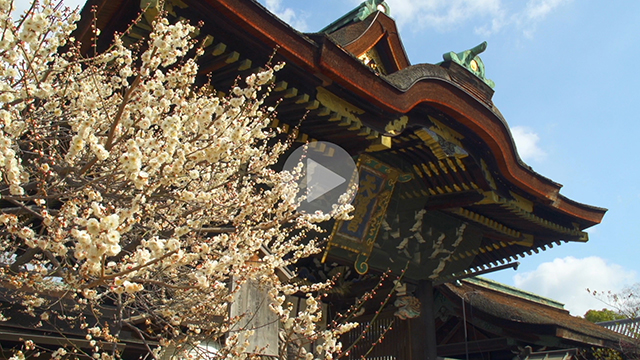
<point>470,60</point>
<point>358,14</point>
<point>370,6</point>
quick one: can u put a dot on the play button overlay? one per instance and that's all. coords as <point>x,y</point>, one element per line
<point>328,172</point>
<point>320,180</point>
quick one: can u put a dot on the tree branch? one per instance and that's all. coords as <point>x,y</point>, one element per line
<point>101,281</point>
<point>141,335</point>
<point>23,259</point>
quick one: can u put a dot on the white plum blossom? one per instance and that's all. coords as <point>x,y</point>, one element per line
<point>127,187</point>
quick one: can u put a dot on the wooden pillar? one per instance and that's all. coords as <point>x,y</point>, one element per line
<point>423,328</point>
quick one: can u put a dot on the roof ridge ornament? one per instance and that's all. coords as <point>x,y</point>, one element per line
<point>360,13</point>
<point>470,60</point>
<point>371,6</point>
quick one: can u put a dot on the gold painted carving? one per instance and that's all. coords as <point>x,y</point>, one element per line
<point>348,113</point>
<point>380,144</point>
<point>576,232</point>
<point>338,105</point>
<point>151,8</point>
<point>446,132</point>
<point>521,202</point>
<point>492,198</point>
<point>492,224</point>
<point>527,240</point>
<point>442,140</point>
<point>487,174</point>
<point>432,143</point>
<point>395,127</point>
<point>524,209</point>
<point>372,59</point>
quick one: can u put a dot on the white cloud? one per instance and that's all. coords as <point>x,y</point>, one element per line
<point>534,12</point>
<point>527,144</point>
<point>488,16</point>
<point>538,9</point>
<point>444,14</point>
<point>567,279</point>
<point>287,15</point>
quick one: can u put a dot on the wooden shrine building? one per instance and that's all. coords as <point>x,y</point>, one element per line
<point>447,194</point>
<point>430,129</point>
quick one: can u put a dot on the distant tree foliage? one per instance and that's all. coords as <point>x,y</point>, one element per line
<point>596,316</point>
<point>626,302</point>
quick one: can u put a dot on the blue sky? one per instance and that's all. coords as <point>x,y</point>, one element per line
<point>566,81</point>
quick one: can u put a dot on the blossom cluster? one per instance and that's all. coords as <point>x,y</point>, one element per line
<point>126,185</point>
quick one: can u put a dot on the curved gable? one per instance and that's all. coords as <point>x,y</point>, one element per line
<point>377,35</point>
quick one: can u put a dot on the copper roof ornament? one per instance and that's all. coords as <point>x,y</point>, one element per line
<point>470,60</point>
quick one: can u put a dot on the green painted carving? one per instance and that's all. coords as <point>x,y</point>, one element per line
<point>370,6</point>
<point>361,265</point>
<point>471,61</point>
<point>404,178</point>
<point>408,307</point>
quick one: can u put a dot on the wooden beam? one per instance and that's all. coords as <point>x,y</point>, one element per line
<point>453,200</point>
<point>424,344</point>
<point>452,332</point>
<point>484,346</point>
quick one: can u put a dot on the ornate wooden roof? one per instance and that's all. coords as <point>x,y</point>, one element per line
<point>435,123</point>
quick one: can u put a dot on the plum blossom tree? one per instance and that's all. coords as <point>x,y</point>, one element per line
<point>133,200</point>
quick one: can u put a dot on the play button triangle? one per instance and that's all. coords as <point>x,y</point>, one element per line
<point>320,180</point>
